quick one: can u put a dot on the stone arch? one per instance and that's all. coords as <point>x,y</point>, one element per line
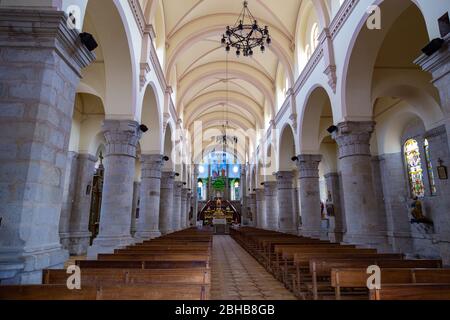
<point>121,77</point>
<point>363,54</point>
<point>151,116</point>
<point>287,149</point>
<point>169,149</point>
<point>313,125</point>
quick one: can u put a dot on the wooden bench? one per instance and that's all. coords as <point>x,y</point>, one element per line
<point>320,269</point>
<point>108,292</point>
<point>422,291</point>
<point>356,278</point>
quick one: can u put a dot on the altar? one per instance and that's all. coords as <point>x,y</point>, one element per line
<point>220,215</point>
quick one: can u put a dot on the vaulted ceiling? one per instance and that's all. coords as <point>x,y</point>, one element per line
<point>197,64</point>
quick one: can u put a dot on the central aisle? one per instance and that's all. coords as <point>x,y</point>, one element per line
<point>236,275</point>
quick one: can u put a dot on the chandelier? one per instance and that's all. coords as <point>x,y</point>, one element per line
<point>246,34</point>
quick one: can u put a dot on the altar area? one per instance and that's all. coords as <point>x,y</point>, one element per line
<point>219,214</point>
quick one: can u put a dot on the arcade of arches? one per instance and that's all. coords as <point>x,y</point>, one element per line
<point>240,139</point>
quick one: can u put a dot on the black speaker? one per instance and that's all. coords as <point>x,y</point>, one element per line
<point>332,129</point>
<point>143,128</point>
<point>433,46</point>
<point>166,158</point>
<point>294,159</point>
<point>88,40</point>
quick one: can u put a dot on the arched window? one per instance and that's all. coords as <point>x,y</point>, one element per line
<point>429,168</point>
<point>414,166</point>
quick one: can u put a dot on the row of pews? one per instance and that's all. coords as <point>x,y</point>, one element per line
<point>321,270</point>
<point>172,267</point>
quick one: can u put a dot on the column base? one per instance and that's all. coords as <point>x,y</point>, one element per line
<point>21,268</point>
<point>288,231</point>
<point>76,243</point>
<point>143,236</point>
<point>309,233</point>
<point>375,241</point>
<point>108,245</point>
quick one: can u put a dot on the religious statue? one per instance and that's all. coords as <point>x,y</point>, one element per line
<point>329,205</point>
<point>417,213</point>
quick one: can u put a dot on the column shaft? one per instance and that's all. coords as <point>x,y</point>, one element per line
<point>176,212</point>
<point>166,205</point>
<point>150,193</point>
<point>271,205</point>
<point>309,191</point>
<point>286,202</point>
<point>183,213</point>
<point>337,223</point>
<point>363,221</point>
<point>260,208</point>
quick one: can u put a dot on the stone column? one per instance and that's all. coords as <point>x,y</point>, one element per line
<point>271,205</point>
<point>286,202</point>
<point>260,208</point>
<point>295,197</point>
<point>337,222</point>
<point>121,137</point>
<point>134,207</point>
<point>40,61</point>
<point>309,190</point>
<point>243,195</point>
<point>253,211</point>
<point>150,192</point>
<point>183,213</point>
<point>176,211</point>
<point>68,198</point>
<point>166,204</point>
<point>195,196</point>
<point>438,65</point>
<point>437,139</point>
<point>188,208</point>
<point>363,221</point>
<point>79,235</point>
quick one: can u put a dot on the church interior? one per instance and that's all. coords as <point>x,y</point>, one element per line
<point>224,150</point>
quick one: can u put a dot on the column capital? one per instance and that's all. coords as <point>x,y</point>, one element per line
<point>285,179</point>
<point>270,187</point>
<point>122,137</point>
<point>151,165</point>
<point>308,165</point>
<point>167,180</point>
<point>44,29</point>
<point>353,138</point>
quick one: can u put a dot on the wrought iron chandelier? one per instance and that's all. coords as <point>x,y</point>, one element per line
<point>246,34</point>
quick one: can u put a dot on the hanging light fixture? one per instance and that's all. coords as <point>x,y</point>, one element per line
<point>246,34</point>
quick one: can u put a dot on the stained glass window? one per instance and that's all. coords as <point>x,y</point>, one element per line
<point>429,167</point>
<point>414,165</point>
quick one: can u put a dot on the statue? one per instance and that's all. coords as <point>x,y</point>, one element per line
<point>417,213</point>
<point>329,205</point>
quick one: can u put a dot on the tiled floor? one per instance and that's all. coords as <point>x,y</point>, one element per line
<point>236,275</point>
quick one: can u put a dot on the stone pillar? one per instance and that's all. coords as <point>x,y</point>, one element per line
<point>40,61</point>
<point>437,139</point>
<point>295,197</point>
<point>176,211</point>
<point>337,222</point>
<point>68,198</point>
<point>150,192</point>
<point>134,207</point>
<point>188,208</point>
<point>395,190</point>
<point>79,235</point>
<point>243,195</point>
<point>122,137</point>
<point>260,208</point>
<point>286,202</point>
<point>166,204</point>
<point>363,221</point>
<point>195,196</point>
<point>271,205</point>
<point>253,211</point>
<point>438,65</point>
<point>308,167</point>
<point>183,213</point>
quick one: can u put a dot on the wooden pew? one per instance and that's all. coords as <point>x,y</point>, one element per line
<point>422,291</point>
<point>131,276</point>
<point>321,268</point>
<point>356,278</point>
<point>109,292</point>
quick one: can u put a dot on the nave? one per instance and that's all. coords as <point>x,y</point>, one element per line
<point>196,265</point>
